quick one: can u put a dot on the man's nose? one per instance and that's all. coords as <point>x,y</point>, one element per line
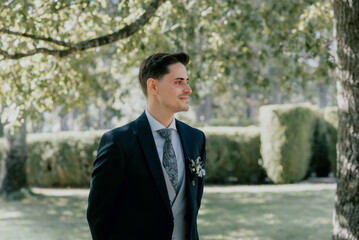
<point>188,89</point>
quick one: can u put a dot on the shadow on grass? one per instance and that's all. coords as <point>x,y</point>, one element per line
<point>270,215</point>
<point>232,215</point>
<point>44,217</point>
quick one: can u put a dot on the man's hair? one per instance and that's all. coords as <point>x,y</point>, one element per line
<point>156,66</point>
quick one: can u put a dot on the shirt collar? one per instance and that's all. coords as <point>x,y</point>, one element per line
<point>156,125</point>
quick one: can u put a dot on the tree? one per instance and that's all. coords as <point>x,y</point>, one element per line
<point>234,45</point>
<point>346,214</point>
<point>32,28</point>
<point>251,44</point>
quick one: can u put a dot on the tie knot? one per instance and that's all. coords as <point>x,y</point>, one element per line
<point>165,133</point>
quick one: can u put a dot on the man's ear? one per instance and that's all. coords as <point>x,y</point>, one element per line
<point>152,86</point>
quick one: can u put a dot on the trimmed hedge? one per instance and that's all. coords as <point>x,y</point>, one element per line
<point>61,159</point>
<point>332,122</point>
<point>319,164</point>
<point>295,141</point>
<point>66,158</point>
<point>286,140</point>
<point>233,154</point>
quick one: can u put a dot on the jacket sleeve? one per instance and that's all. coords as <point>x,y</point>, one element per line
<point>201,180</point>
<point>107,175</point>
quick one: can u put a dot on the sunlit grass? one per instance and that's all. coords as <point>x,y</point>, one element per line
<point>44,217</point>
<point>266,213</point>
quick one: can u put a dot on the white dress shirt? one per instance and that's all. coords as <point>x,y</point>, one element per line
<point>176,142</point>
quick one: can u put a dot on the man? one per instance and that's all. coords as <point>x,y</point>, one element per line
<point>147,179</point>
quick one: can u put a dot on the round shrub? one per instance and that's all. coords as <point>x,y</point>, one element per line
<point>286,140</point>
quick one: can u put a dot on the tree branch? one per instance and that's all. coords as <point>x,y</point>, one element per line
<point>34,37</point>
<point>87,44</point>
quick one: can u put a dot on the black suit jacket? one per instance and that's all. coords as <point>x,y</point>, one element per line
<point>128,195</point>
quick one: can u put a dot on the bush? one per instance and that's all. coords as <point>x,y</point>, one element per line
<point>233,154</point>
<point>286,140</point>
<point>61,159</point>
<point>66,158</point>
<point>319,163</point>
<point>221,122</point>
<point>332,122</point>
<point>1,129</point>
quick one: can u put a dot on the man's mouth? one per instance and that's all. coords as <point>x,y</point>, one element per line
<point>184,97</point>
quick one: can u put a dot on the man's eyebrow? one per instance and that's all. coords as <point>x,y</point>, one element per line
<point>180,78</point>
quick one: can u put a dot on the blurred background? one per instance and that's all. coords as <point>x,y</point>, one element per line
<point>244,55</point>
<point>263,81</point>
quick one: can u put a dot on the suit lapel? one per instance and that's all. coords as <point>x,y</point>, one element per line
<point>143,131</point>
<point>186,140</point>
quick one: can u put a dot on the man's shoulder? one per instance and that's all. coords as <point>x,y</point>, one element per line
<point>124,130</point>
<point>190,129</point>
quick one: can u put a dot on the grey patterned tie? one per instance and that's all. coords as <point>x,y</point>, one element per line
<point>169,156</point>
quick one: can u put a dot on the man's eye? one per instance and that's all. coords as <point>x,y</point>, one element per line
<point>178,82</point>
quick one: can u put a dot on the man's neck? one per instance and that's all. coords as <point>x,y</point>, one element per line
<point>164,117</point>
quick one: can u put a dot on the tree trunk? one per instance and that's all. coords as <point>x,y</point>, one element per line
<point>1,130</point>
<point>208,108</point>
<point>101,118</point>
<point>73,120</point>
<point>251,106</point>
<point>13,173</point>
<point>277,94</point>
<point>323,95</point>
<point>65,122</point>
<point>346,214</point>
<point>198,112</point>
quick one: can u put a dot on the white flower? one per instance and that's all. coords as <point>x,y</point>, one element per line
<point>197,167</point>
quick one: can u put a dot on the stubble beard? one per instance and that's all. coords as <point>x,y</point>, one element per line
<point>184,108</point>
<point>178,108</point>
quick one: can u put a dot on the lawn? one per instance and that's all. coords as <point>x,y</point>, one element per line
<point>268,213</point>
<point>299,211</point>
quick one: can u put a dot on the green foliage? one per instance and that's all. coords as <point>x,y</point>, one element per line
<point>66,158</point>
<point>332,122</point>
<point>319,163</point>
<point>225,122</point>
<point>37,84</point>
<point>286,140</point>
<point>61,159</point>
<point>1,129</point>
<point>233,155</point>
<point>243,44</point>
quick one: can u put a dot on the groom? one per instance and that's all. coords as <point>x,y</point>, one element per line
<point>147,179</point>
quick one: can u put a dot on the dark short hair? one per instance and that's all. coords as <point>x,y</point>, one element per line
<point>156,66</point>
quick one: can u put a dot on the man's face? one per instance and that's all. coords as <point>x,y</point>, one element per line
<point>173,90</point>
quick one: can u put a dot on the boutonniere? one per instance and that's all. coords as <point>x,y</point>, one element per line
<point>196,168</point>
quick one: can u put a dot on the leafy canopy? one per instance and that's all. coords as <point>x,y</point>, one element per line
<point>51,52</point>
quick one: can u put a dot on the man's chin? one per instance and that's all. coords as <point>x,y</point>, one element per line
<point>183,109</point>
<point>186,108</point>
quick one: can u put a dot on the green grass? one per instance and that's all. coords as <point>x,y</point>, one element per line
<point>44,218</point>
<point>267,215</point>
<point>237,213</point>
